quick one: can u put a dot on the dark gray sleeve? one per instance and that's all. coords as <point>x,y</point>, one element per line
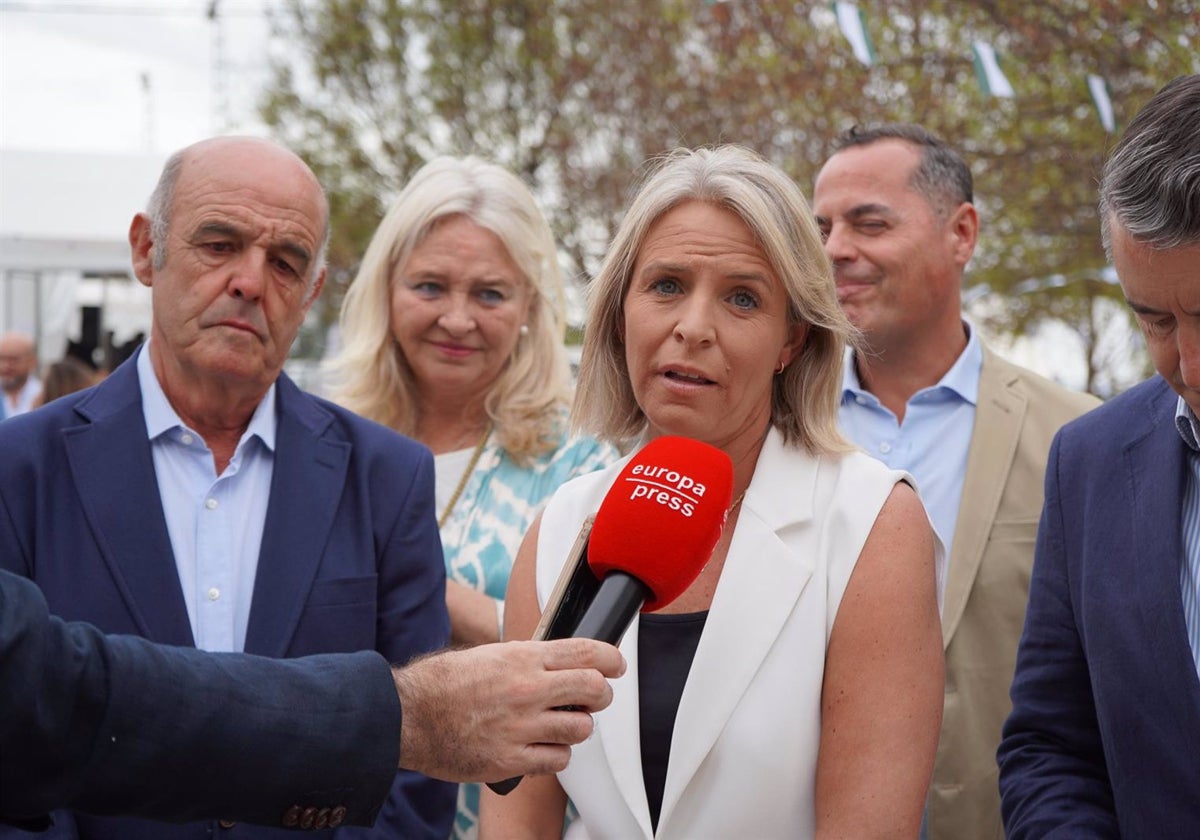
<point>120,725</point>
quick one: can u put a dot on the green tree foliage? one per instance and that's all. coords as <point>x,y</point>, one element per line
<point>575,95</point>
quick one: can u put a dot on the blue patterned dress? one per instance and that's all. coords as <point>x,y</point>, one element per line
<point>485,529</point>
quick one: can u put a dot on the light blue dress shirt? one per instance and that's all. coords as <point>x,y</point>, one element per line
<point>215,522</point>
<point>933,440</point>
<point>1189,567</point>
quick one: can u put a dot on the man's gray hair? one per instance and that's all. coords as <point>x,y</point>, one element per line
<point>1151,183</point>
<point>942,177</point>
<point>158,210</point>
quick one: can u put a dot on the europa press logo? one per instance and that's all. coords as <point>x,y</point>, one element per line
<point>663,515</point>
<point>665,485</point>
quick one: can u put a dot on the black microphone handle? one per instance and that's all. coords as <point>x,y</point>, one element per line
<point>617,602</point>
<point>606,619</point>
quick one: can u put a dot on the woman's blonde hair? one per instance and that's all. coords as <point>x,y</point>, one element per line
<point>370,372</point>
<point>805,395</point>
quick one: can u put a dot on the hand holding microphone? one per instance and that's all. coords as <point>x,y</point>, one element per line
<point>653,534</point>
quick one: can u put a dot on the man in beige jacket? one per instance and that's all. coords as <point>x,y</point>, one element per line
<point>924,394</point>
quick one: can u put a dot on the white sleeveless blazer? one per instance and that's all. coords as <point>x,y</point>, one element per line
<point>744,749</point>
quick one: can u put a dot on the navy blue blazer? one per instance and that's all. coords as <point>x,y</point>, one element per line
<point>350,557</point>
<point>117,724</point>
<point>1104,735</point>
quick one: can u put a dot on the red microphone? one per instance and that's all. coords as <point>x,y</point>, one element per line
<point>655,531</point>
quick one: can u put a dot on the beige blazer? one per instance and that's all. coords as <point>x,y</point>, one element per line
<point>987,585</point>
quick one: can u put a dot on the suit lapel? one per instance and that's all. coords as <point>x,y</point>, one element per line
<point>113,472</point>
<point>763,577</point>
<point>307,482</point>
<point>1157,468</point>
<point>999,413</point>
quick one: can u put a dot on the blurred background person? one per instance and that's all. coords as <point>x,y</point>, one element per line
<point>19,385</point>
<point>453,334</point>
<point>795,686</point>
<point>66,376</point>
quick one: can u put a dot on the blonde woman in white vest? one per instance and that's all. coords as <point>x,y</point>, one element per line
<point>795,689</point>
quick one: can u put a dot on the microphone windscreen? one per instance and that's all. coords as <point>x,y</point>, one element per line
<point>662,517</point>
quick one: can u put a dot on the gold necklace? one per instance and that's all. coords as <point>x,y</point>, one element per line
<point>736,502</point>
<point>462,482</point>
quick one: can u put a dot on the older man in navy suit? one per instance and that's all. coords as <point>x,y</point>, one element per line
<point>197,497</point>
<point>1104,736</point>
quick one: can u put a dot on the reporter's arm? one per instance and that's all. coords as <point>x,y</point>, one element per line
<point>882,694</point>
<point>120,725</point>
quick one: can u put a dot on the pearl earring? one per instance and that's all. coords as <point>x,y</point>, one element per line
<point>524,329</point>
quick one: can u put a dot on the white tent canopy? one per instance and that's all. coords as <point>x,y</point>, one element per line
<point>63,224</point>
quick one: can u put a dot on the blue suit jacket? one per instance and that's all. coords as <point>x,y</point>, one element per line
<point>113,724</point>
<point>1104,736</point>
<point>350,556</point>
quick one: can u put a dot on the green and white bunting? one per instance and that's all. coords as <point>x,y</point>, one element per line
<point>987,69</point>
<point>992,81</point>
<point>854,26</point>
<point>1104,106</point>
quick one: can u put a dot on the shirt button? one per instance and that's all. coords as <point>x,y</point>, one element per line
<point>211,504</point>
<point>885,447</point>
<point>860,399</point>
<point>214,593</point>
<point>186,439</point>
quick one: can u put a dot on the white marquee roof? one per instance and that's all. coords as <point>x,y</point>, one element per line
<point>61,210</point>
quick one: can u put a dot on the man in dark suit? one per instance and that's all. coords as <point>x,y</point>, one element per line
<point>197,497</point>
<point>120,725</point>
<point>1104,734</point>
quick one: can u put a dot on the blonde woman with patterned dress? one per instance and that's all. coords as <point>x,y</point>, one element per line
<point>453,334</point>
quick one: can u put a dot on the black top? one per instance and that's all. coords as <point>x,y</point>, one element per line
<point>666,647</point>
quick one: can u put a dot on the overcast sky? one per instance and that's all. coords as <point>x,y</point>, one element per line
<point>127,76</point>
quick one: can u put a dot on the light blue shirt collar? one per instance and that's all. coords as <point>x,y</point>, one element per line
<point>162,418</point>
<point>962,378</point>
<point>1185,422</point>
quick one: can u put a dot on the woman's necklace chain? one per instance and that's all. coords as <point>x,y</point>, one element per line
<point>462,482</point>
<point>736,502</point>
